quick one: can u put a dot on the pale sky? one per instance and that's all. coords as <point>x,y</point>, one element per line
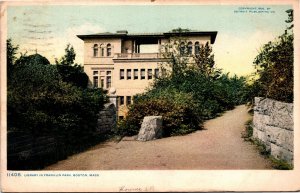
<point>240,34</point>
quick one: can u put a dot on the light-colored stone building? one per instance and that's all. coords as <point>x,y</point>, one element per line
<point>128,63</point>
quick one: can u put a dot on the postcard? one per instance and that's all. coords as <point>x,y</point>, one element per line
<point>149,96</point>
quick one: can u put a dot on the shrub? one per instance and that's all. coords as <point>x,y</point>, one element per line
<point>212,96</point>
<point>177,110</point>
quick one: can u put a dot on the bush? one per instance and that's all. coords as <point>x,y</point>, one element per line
<point>212,96</point>
<point>176,108</point>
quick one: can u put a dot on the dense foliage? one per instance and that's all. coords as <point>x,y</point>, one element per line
<point>185,95</point>
<point>11,55</point>
<point>40,103</point>
<point>176,108</point>
<point>70,71</point>
<point>274,68</point>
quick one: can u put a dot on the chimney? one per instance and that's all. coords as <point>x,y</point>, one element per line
<point>122,32</point>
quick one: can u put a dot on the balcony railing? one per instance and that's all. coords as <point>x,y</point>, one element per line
<point>137,55</point>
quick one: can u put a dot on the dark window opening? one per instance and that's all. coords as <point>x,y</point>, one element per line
<point>121,98</point>
<point>190,48</point>
<point>108,81</point>
<point>95,50</point>
<point>128,74</point>
<point>136,74</point>
<point>102,51</point>
<point>121,74</point>
<point>156,73</point>
<point>128,100</point>
<point>95,81</point>
<point>149,74</point>
<point>197,48</point>
<point>102,82</point>
<point>143,74</point>
<point>108,50</point>
<point>182,49</point>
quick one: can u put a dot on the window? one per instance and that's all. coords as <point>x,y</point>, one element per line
<point>142,74</point>
<point>108,50</point>
<point>182,48</point>
<point>102,81</point>
<point>95,50</point>
<point>190,48</point>
<point>197,48</point>
<point>149,74</point>
<point>156,72</point>
<point>128,74</point>
<point>108,73</point>
<point>95,73</point>
<point>121,98</point>
<point>121,74</point>
<point>108,81</point>
<point>102,52</point>
<point>95,81</point>
<point>128,100</point>
<point>136,74</point>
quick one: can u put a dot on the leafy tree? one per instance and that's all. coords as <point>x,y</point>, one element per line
<point>205,61</point>
<point>31,60</point>
<point>274,65</point>
<point>290,19</point>
<point>175,63</point>
<point>71,72</point>
<point>68,58</point>
<point>11,55</point>
<point>178,60</point>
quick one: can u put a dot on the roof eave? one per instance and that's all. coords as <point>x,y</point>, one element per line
<point>212,34</point>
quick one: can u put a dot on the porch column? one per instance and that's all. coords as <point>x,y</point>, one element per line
<point>159,45</point>
<point>134,47</point>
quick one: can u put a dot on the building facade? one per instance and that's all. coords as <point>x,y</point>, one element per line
<point>128,63</point>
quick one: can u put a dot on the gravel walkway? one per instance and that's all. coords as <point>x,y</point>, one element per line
<point>218,146</point>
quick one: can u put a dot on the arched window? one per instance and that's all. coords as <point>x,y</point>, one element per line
<point>182,48</point>
<point>190,48</point>
<point>197,48</point>
<point>95,50</point>
<point>102,50</point>
<point>108,50</point>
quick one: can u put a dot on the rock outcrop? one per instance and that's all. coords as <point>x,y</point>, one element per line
<point>151,128</point>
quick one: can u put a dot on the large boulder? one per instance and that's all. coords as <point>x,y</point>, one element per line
<point>151,128</point>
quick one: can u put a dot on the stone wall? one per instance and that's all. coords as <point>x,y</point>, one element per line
<point>273,125</point>
<point>24,151</point>
<point>107,119</point>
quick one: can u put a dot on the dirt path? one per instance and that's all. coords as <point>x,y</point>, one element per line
<point>219,146</point>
